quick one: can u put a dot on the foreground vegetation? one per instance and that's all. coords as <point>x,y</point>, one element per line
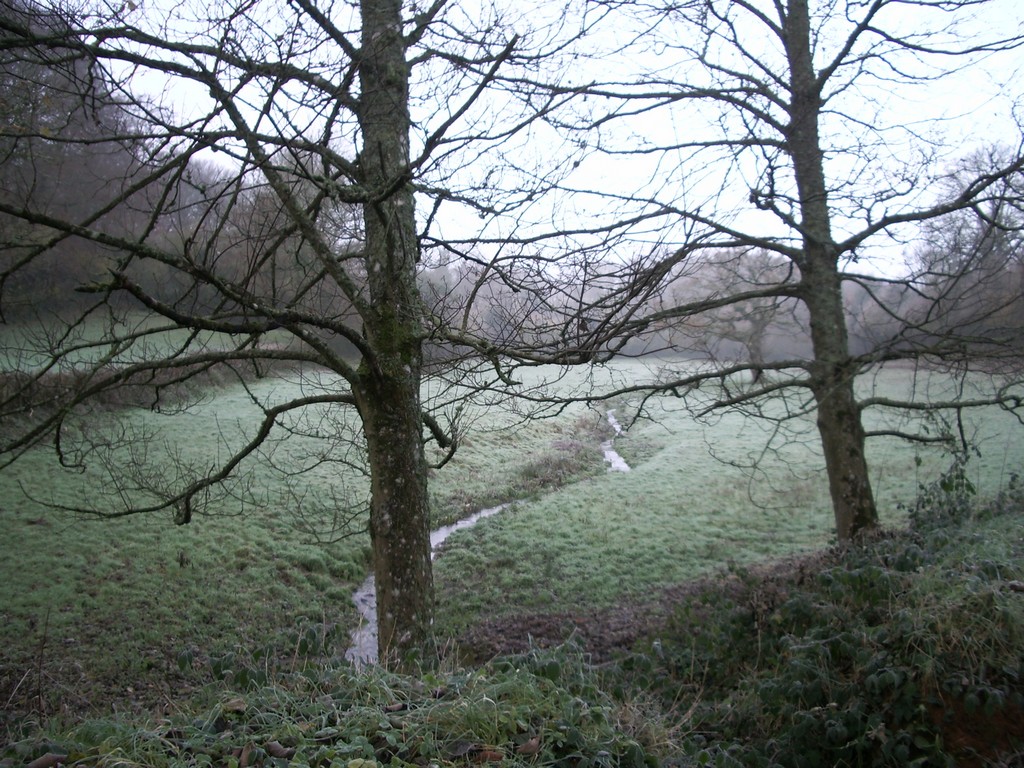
<point>902,650</point>
<point>140,642</point>
<point>905,649</point>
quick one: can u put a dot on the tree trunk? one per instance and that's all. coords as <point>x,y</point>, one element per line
<point>388,394</point>
<point>399,518</point>
<point>839,420</point>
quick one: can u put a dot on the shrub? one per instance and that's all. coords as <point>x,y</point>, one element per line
<point>902,650</point>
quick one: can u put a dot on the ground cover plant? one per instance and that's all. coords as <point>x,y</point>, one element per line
<point>544,707</point>
<point>904,649</point>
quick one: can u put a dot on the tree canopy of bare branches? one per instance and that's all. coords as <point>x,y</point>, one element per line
<point>261,212</point>
<point>777,133</point>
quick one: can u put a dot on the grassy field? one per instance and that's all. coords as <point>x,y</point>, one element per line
<point>700,496</point>
<point>904,649</point>
<point>138,612</point>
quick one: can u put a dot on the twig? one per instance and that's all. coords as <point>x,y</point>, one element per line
<point>40,658</point>
<point>10,699</point>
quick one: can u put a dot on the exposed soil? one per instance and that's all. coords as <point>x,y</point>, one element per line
<point>976,737</point>
<point>601,633</point>
<point>606,633</point>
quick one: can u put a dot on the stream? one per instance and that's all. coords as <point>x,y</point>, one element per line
<point>363,648</point>
<point>616,462</point>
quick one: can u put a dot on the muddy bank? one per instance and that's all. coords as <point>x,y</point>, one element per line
<point>608,633</point>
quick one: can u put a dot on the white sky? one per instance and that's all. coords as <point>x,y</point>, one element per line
<point>964,111</point>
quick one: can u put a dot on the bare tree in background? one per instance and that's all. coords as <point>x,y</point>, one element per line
<point>753,330</point>
<point>58,149</point>
<point>969,278</point>
<point>273,222</point>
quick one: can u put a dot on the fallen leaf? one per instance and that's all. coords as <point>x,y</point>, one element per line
<point>277,749</point>
<point>236,704</point>
<point>530,747</point>
<point>48,760</point>
<point>460,748</point>
<point>488,756</point>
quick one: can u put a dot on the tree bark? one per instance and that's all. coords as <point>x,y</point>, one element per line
<point>832,375</point>
<point>838,415</point>
<point>388,394</point>
<point>399,518</point>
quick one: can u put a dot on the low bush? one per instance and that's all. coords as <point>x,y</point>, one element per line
<point>904,649</point>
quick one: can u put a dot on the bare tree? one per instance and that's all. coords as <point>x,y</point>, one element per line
<point>274,222</point>
<point>968,277</point>
<point>56,150</point>
<point>755,330</point>
<point>775,126</point>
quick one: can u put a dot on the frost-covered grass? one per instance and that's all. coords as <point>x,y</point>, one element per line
<point>80,340</point>
<point>138,610</point>
<point>902,650</point>
<point>699,496</point>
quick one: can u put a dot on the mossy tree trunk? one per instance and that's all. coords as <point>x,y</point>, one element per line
<point>388,388</point>
<point>832,374</point>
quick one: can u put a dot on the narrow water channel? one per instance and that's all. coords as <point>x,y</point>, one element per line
<point>616,462</point>
<point>363,649</point>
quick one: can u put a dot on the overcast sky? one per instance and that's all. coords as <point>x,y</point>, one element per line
<point>969,109</point>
